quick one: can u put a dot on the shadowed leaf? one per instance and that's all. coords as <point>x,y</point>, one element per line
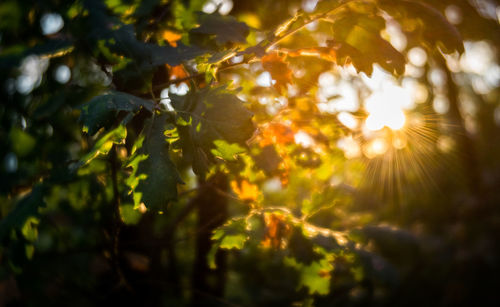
<point>225,28</point>
<point>101,110</point>
<point>154,177</point>
<point>27,207</point>
<point>214,115</point>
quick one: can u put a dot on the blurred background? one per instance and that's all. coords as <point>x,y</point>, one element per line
<point>402,171</point>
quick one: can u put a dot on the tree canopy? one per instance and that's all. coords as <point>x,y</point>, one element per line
<point>246,153</point>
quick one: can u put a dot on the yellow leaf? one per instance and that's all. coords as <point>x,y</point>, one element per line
<point>245,190</point>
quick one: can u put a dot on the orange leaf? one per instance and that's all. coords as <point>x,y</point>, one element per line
<point>276,133</point>
<point>276,230</point>
<point>171,37</point>
<point>177,72</point>
<point>245,190</point>
<point>278,69</point>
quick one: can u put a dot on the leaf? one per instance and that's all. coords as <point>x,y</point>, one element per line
<point>357,40</point>
<point>268,159</point>
<point>129,215</point>
<point>233,241</point>
<point>277,229</point>
<point>226,151</point>
<point>301,247</point>
<point>177,72</point>
<point>22,142</point>
<point>276,133</point>
<point>171,37</point>
<point>433,26</point>
<point>104,144</point>
<point>121,39</point>
<point>315,276</point>
<point>231,235</point>
<point>30,229</point>
<point>27,207</point>
<point>245,190</point>
<point>375,49</point>
<point>154,177</point>
<point>278,68</point>
<point>212,114</point>
<point>225,28</point>
<point>160,55</point>
<point>101,110</point>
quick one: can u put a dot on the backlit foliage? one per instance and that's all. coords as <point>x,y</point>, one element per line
<point>277,153</point>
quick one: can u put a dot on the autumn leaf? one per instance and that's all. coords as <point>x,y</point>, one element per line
<point>171,37</point>
<point>278,136</point>
<point>277,229</point>
<point>280,72</point>
<point>177,72</point>
<point>276,133</point>
<point>245,190</point>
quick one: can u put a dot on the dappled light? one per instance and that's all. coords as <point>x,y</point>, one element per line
<point>51,23</point>
<point>250,153</point>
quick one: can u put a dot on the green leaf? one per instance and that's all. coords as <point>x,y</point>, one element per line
<point>434,28</point>
<point>301,248</point>
<point>214,114</point>
<point>123,42</point>
<point>357,38</point>
<point>154,177</point>
<point>315,277</point>
<point>29,229</point>
<point>121,39</point>
<point>232,235</point>
<point>30,251</point>
<point>22,142</point>
<point>225,28</point>
<point>130,215</point>
<point>101,110</point>
<point>184,13</point>
<point>174,56</point>
<point>27,207</point>
<point>226,151</point>
<point>104,144</point>
<point>233,241</point>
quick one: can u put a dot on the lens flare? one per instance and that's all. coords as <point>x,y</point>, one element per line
<point>385,107</point>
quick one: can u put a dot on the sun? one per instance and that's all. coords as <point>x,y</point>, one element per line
<point>385,108</point>
<point>387,102</point>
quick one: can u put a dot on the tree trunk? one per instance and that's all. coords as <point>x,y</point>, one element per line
<point>208,285</point>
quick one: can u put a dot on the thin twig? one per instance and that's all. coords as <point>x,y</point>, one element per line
<point>275,40</point>
<point>116,219</point>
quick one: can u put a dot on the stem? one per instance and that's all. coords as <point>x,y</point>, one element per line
<point>117,223</point>
<point>274,41</point>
